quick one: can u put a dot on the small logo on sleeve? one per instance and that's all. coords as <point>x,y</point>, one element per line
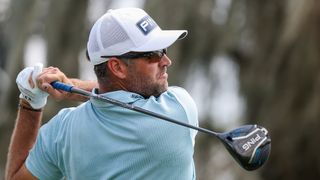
<point>146,25</point>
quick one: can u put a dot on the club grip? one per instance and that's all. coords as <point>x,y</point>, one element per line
<point>61,86</point>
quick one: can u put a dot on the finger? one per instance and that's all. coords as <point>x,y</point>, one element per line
<point>49,70</point>
<point>49,78</point>
<point>53,92</point>
<point>30,81</point>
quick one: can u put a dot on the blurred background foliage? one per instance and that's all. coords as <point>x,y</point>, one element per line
<point>244,61</point>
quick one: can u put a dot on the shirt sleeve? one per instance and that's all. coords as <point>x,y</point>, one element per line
<point>43,159</point>
<point>190,108</point>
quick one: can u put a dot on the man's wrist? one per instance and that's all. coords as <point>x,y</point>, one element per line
<point>24,105</point>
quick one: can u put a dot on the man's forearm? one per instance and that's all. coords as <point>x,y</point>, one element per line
<point>85,85</point>
<point>23,138</point>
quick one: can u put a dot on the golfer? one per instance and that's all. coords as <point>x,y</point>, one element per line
<point>98,140</point>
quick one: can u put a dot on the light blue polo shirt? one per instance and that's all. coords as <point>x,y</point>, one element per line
<point>98,140</point>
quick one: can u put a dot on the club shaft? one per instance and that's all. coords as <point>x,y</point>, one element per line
<point>71,89</point>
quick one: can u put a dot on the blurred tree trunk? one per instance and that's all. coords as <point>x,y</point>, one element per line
<point>21,17</point>
<point>65,31</point>
<point>280,77</point>
<point>66,34</point>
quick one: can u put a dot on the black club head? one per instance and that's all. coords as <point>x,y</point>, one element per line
<point>250,145</point>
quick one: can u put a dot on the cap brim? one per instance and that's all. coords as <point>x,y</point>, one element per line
<point>161,40</point>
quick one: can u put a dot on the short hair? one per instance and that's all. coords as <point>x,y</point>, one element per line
<point>101,70</point>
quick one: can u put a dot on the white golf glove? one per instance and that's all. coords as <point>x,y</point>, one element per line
<point>36,97</point>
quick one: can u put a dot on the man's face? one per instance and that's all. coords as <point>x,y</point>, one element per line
<point>147,76</point>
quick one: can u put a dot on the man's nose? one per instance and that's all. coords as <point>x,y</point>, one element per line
<point>165,61</point>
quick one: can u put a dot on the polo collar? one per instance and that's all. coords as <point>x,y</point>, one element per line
<point>120,95</point>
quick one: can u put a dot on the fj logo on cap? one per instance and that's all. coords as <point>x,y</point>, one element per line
<point>146,25</point>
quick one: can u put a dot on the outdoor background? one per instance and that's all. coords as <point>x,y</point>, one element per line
<point>243,61</point>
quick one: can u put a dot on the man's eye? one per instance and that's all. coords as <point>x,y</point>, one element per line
<point>152,56</point>
<point>149,57</point>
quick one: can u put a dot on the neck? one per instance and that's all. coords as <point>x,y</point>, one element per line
<point>109,86</point>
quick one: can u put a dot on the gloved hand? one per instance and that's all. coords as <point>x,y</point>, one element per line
<point>26,81</point>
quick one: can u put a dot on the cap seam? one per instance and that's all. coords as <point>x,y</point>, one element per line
<point>99,36</point>
<point>122,26</point>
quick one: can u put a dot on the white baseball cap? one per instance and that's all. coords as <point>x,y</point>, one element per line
<point>127,29</point>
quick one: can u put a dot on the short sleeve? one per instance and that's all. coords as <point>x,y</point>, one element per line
<point>42,160</point>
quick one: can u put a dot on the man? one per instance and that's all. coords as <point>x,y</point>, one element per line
<point>97,140</point>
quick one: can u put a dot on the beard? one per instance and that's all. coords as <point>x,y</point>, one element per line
<point>145,85</point>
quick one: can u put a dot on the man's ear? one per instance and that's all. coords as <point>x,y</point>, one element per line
<point>117,67</point>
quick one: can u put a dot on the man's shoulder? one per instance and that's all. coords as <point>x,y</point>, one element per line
<point>182,96</point>
<point>179,92</point>
<point>176,88</point>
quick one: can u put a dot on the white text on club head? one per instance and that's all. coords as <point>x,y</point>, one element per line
<point>246,146</point>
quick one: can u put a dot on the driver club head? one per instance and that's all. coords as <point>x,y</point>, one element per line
<point>250,145</point>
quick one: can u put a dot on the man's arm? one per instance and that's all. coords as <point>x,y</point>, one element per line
<point>28,119</point>
<point>23,138</point>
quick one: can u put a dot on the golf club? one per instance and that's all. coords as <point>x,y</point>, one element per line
<point>250,145</point>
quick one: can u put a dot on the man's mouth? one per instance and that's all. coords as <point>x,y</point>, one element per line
<point>163,75</point>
